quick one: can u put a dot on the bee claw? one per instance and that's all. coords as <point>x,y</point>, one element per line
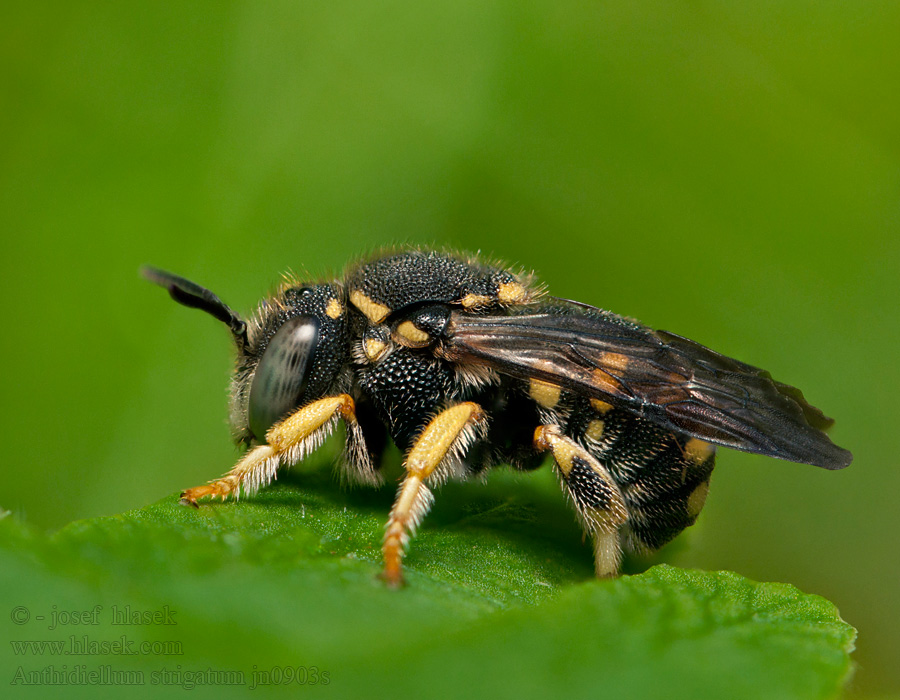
<point>188,502</point>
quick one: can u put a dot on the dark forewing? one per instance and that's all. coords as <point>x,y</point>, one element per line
<point>669,380</point>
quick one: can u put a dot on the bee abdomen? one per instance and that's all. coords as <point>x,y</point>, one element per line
<point>663,476</point>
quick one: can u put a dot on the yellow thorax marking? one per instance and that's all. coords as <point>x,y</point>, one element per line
<point>334,309</point>
<point>372,310</point>
<point>374,348</point>
<point>408,331</point>
<point>511,292</point>
<point>473,301</point>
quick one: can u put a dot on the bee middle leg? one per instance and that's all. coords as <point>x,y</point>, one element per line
<point>288,440</point>
<point>596,496</point>
<point>448,434</point>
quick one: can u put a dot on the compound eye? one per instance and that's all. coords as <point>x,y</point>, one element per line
<point>282,373</point>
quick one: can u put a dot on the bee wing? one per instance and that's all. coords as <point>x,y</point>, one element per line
<point>671,381</point>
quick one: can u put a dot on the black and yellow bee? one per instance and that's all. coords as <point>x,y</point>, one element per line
<point>466,365</point>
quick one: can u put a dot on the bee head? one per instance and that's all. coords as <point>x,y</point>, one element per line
<point>289,353</point>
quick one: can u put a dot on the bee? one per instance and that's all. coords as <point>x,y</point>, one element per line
<point>466,365</point>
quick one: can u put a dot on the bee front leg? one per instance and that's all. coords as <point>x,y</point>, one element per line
<point>444,439</point>
<point>288,441</point>
<point>595,494</point>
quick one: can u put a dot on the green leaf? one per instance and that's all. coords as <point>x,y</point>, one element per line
<point>283,587</point>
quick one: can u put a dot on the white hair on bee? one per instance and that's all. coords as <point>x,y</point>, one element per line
<point>632,543</point>
<point>259,467</point>
<point>355,466</point>
<point>358,353</point>
<point>310,443</point>
<point>455,457</point>
<point>261,476</point>
<point>470,377</point>
<point>421,505</point>
<point>238,404</point>
<point>453,465</point>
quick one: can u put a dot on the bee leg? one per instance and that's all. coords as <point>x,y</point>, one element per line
<point>449,434</point>
<point>596,496</point>
<point>287,441</point>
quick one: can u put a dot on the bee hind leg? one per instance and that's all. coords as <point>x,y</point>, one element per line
<point>440,444</point>
<point>597,499</point>
<point>288,441</point>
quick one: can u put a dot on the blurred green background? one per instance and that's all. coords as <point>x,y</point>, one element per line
<point>726,171</point>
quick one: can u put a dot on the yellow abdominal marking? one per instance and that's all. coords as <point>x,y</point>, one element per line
<point>697,499</point>
<point>334,309</point>
<point>372,310</point>
<point>546,394</point>
<point>595,430</point>
<point>601,407</point>
<point>698,451</point>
